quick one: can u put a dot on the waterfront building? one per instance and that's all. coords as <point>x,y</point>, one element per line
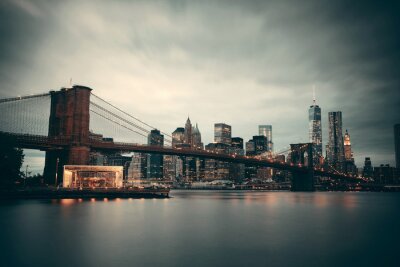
<point>397,144</point>
<point>215,169</point>
<point>237,171</point>
<point>96,158</point>
<point>385,174</point>
<point>315,131</point>
<point>118,160</point>
<point>155,161</point>
<point>173,165</point>
<point>138,168</point>
<point>222,133</point>
<point>86,176</point>
<point>266,130</point>
<point>368,170</point>
<point>335,152</point>
<point>169,168</point>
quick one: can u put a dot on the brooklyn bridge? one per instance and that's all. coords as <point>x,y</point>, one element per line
<point>65,124</point>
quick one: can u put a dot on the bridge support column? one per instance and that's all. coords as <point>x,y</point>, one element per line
<point>78,155</point>
<point>303,181</point>
<point>69,122</point>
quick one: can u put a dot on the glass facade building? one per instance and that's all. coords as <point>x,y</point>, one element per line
<point>335,152</point>
<point>260,144</point>
<point>315,132</point>
<point>222,133</point>
<point>266,130</point>
<point>155,161</point>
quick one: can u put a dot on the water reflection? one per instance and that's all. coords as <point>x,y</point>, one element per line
<point>204,228</point>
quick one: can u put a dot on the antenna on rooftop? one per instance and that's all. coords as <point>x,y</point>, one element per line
<point>314,100</point>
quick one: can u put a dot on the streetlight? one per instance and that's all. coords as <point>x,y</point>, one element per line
<point>57,170</point>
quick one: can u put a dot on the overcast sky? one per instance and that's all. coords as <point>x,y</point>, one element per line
<point>240,62</point>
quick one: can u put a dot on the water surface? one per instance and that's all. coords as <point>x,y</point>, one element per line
<point>205,228</point>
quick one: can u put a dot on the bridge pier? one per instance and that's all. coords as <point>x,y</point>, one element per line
<point>303,154</point>
<point>303,181</point>
<point>69,121</point>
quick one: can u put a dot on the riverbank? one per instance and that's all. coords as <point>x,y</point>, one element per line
<point>53,193</point>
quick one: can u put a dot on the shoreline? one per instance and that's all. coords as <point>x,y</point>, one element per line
<point>45,193</point>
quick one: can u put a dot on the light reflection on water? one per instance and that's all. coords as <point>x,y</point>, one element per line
<point>204,228</point>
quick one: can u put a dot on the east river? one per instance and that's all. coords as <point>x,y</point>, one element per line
<point>205,228</point>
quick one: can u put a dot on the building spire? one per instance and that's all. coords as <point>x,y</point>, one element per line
<point>314,100</point>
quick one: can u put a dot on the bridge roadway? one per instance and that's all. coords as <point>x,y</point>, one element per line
<point>46,143</point>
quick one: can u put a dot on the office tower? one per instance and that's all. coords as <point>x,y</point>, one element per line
<point>315,131</point>
<point>385,174</point>
<point>397,144</point>
<point>266,130</point>
<point>349,166</point>
<point>236,171</point>
<point>196,138</point>
<point>250,149</point>
<point>335,141</point>
<point>260,144</point>
<point>216,169</point>
<point>155,161</point>
<point>368,170</point>
<point>250,171</point>
<point>222,133</point>
<point>188,132</point>
<point>178,137</point>
<point>138,167</point>
<point>237,142</point>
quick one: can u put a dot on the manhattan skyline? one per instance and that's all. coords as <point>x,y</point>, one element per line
<point>243,63</point>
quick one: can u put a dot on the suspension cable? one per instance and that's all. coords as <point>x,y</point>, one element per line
<point>4,100</point>
<point>129,115</point>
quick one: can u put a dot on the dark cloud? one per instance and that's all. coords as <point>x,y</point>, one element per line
<point>242,62</point>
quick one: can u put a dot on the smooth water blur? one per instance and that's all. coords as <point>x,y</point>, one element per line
<point>205,228</point>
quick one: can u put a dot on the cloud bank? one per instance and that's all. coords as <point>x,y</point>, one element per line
<point>240,62</point>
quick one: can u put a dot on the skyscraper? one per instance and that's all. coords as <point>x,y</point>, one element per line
<point>186,168</point>
<point>173,165</point>
<point>188,132</point>
<point>266,130</point>
<point>397,144</point>
<point>155,161</point>
<point>348,155</point>
<point>315,131</point>
<point>237,142</point>
<point>222,133</point>
<point>260,144</point>
<point>178,137</point>
<point>335,143</point>
<point>349,166</point>
<point>196,138</point>
<point>368,170</point>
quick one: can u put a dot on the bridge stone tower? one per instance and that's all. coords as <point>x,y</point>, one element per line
<point>69,121</point>
<point>302,154</point>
